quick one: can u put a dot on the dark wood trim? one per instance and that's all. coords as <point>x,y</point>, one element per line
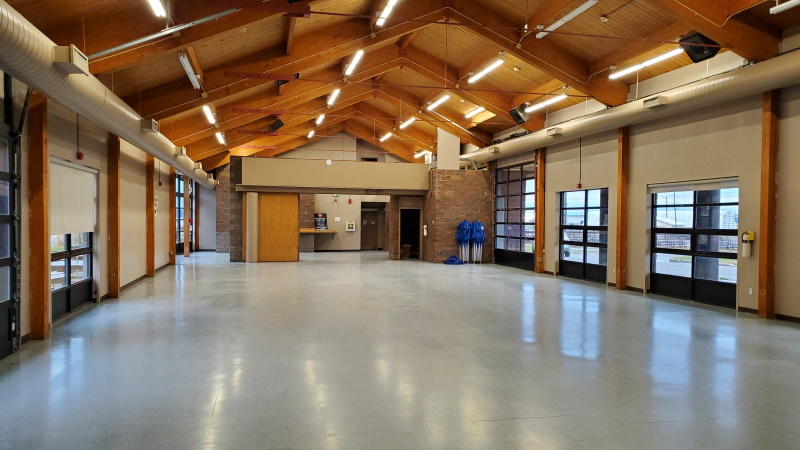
<point>748,310</point>
<point>163,267</point>
<point>114,225</point>
<point>634,289</point>
<point>150,216</point>
<point>133,282</point>
<point>208,250</point>
<point>24,340</point>
<point>786,318</point>
<point>621,263</point>
<point>539,227</point>
<point>769,204</point>
<point>547,272</point>
<point>612,284</point>
<point>103,298</point>
<point>39,210</point>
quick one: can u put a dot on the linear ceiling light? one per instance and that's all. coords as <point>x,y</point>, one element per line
<point>385,13</point>
<point>541,105</point>
<point>575,13</point>
<point>356,59</point>
<point>475,112</point>
<point>311,134</point>
<point>386,137</point>
<point>221,139</point>
<point>408,122</point>
<point>158,8</point>
<point>779,8</point>
<point>209,115</point>
<point>334,96</point>
<point>437,103</point>
<point>499,62</point>
<point>187,66</point>
<point>649,62</point>
<point>320,119</point>
<point>422,153</point>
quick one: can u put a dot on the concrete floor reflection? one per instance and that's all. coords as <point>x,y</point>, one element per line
<point>354,351</point>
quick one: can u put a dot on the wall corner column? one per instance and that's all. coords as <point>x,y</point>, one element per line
<point>114,156</point>
<point>172,219</point>
<point>540,210</point>
<point>770,134</point>
<point>251,228</point>
<point>623,154</point>
<point>39,212</point>
<point>150,214</point>
<point>187,217</point>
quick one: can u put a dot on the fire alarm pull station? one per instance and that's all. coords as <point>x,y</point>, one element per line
<point>747,240</point>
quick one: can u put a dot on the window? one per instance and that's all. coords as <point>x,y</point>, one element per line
<point>695,241</point>
<point>182,213</point>
<point>584,234</point>
<point>515,215</point>
<point>70,259</point>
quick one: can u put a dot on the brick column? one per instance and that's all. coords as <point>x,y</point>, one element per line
<point>236,243</point>
<point>224,210</point>
<point>393,223</point>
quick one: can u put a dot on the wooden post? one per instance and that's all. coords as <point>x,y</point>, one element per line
<point>39,218</point>
<point>540,210</point>
<point>623,152</point>
<point>172,219</point>
<point>769,204</point>
<point>150,213</point>
<point>186,217</point>
<point>113,216</point>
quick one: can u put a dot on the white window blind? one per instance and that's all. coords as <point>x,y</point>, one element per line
<point>73,193</point>
<point>699,185</point>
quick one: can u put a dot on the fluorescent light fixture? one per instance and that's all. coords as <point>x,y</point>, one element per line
<point>158,8</point>
<point>221,139</point>
<point>475,112</point>
<point>541,105</point>
<point>356,59</point>
<point>209,115</point>
<point>386,137</point>
<point>499,62</point>
<point>320,119</point>
<point>334,96</point>
<point>187,66</point>
<point>649,62</point>
<point>575,13</point>
<point>311,134</point>
<point>408,122</point>
<point>438,103</point>
<point>384,14</point>
<point>422,153</point>
<point>784,6</point>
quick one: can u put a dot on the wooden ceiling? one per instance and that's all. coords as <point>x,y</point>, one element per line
<point>427,47</point>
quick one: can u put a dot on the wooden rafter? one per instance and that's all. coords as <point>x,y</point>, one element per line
<point>398,149</point>
<point>650,42</point>
<point>382,121</point>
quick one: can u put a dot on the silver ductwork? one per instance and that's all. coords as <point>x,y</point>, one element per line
<point>776,73</point>
<point>28,55</point>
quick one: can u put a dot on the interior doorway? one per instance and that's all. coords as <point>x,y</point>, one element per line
<point>409,233</point>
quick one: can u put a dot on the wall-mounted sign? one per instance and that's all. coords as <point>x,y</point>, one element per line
<point>350,226</point>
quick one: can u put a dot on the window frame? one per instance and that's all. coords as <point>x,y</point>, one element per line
<point>582,229</point>
<point>67,256</point>
<point>522,178</point>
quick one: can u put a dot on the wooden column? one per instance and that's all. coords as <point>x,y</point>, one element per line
<point>186,217</point>
<point>172,219</point>
<point>39,218</point>
<point>769,207</point>
<point>540,209</point>
<point>150,213</point>
<point>113,216</point>
<point>623,152</point>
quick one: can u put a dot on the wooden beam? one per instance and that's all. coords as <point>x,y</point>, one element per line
<point>650,42</point>
<point>290,35</point>
<point>748,36</point>
<point>195,62</point>
<point>385,124</point>
<point>540,209</point>
<point>114,223</point>
<point>402,151</point>
<point>770,134</point>
<point>150,214</point>
<point>186,217</point>
<point>623,155</point>
<point>546,15</point>
<point>39,219</point>
<point>172,218</point>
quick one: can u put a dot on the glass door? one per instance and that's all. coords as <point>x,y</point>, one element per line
<point>70,272</point>
<point>583,251</point>
<point>515,216</point>
<point>8,270</point>
<point>182,213</point>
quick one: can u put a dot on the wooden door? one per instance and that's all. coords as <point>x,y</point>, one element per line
<point>369,230</point>
<point>278,227</point>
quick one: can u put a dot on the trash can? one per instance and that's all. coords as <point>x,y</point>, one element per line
<point>405,253</point>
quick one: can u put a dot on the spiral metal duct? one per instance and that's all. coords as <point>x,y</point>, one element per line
<point>28,55</point>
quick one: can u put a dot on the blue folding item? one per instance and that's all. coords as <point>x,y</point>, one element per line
<point>463,237</point>
<point>453,260</point>
<point>477,238</point>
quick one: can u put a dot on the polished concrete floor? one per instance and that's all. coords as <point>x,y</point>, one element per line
<point>352,351</point>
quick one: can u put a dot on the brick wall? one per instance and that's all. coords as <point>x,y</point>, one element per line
<point>393,225</point>
<point>223,210</point>
<point>236,250</point>
<point>457,195</point>
<point>307,221</point>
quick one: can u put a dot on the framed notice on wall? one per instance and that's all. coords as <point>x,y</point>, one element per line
<point>321,222</point>
<point>350,226</point>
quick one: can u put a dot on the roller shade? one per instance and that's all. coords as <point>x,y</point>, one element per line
<point>699,185</point>
<point>73,194</point>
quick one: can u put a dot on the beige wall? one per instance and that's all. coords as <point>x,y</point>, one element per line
<point>208,218</point>
<point>348,212</point>
<point>788,248</point>
<point>133,235</point>
<point>163,223</point>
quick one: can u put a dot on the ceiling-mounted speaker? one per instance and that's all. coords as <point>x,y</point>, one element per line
<point>275,126</point>
<point>519,115</point>
<point>695,45</point>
